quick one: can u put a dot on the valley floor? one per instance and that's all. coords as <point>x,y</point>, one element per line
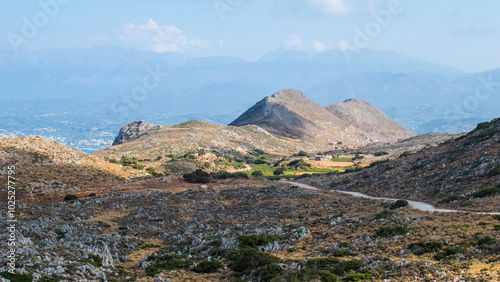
<point>298,235</point>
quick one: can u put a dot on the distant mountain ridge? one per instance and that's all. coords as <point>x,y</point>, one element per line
<point>82,94</point>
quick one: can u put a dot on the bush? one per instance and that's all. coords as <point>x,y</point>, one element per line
<point>406,154</point>
<point>166,262</point>
<point>299,164</point>
<point>341,253</point>
<point>261,161</point>
<point>495,171</point>
<point>268,272</point>
<point>384,214</point>
<point>249,259</point>
<point>425,248</point>
<point>94,260</point>
<point>278,171</point>
<point>381,153</point>
<point>92,194</point>
<point>257,173</point>
<point>70,197</point>
<point>208,266</point>
<point>485,241</point>
<point>199,176</point>
<point>221,175</point>
<point>326,276</point>
<point>18,277</point>
<point>255,240</point>
<point>239,175</point>
<point>486,192</point>
<point>389,231</point>
<point>447,254</point>
<point>378,162</point>
<point>399,204</point>
<point>302,154</point>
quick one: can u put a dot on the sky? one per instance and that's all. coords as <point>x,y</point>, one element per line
<point>463,33</point>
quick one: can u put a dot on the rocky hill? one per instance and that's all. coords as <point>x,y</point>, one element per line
<point>462,173</point>
<point>290,113</point>
<point>47,170</point>
<point>195,135</point>
<point>370,121</point>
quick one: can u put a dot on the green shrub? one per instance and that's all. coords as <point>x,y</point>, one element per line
<point>322,263</point>
<point>262,161</point>
<point>347,266</point>
<point>358,277</point>
<point>486,192</point>
<point>425,248</point>
<point>485,241</point>
<point>384,214</point>
<point>257,173</point>
<point>389,231</point>
<point>198,176</point>
<point>341,253</point>
<point>399,204</point>
<point>379,162</point>
<point>406,154</point>
<point>18,277</point>
<point>302,154</point>
<point>150,246</point>
<point>249,259</point>
<point>208,266</point>
<point>327,276</point>
<point>70,197</point>
<point>255,240</point>
<point>166,262</point>
<point>381,153</point>
<point>221,175</point>
<point>495,171</point>
<point>278,171</point>
<point>449,253</point>
<point>269,271</point>
<point>239,175</point>
<point>94,260</point>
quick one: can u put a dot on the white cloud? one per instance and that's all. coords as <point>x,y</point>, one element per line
<point>319,46</point>
<point>330,7</point>
<point>158,38</point>
<point>294,42</point>
<point>344,45</point>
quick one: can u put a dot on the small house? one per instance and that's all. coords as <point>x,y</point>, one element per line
<point>322,158</point>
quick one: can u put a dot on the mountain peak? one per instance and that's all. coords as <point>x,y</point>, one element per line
<point>135,130</point>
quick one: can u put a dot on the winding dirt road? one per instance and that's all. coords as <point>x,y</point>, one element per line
<point>414,204</point>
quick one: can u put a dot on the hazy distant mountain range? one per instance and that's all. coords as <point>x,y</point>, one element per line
<point>82,97</point>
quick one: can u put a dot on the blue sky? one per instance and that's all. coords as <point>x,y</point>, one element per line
<point>463,34</point>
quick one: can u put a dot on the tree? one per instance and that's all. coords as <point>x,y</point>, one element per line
<point>257,173</point>
<point>70,197</point>
<point>198,176</point>
<point>278,171</point>
<point>303,154</point>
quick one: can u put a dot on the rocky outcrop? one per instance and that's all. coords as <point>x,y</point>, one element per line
<point>135,130</point>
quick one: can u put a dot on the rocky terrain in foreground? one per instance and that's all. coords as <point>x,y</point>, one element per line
<point>259,231</point>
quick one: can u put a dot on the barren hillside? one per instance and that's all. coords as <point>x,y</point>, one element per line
<point>47,170</point>
<point>462,173</point>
